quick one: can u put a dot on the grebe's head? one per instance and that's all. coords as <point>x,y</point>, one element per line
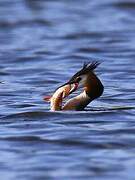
<point>87,79</point>
<point>82,75</point>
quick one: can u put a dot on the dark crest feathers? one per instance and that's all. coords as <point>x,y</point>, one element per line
<point>90,66</point>
<point>87,67</point>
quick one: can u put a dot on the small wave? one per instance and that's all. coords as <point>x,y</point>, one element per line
<point>125,5</point>
<point>91,111</point>
<point>72,142</point>
<point>29,115</point>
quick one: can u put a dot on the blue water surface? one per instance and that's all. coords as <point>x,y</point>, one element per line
<point>42,44</point>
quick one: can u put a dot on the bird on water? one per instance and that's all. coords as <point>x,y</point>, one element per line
<point>85,78</point>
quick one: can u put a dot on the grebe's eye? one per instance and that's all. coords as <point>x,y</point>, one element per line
<point>78,79</point>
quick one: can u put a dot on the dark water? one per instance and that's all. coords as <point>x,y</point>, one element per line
<point>42,43</point>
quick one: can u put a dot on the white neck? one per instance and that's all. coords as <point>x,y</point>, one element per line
<point>77,103</point>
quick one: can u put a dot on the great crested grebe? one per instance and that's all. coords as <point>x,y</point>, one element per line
<point>86,78</point>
